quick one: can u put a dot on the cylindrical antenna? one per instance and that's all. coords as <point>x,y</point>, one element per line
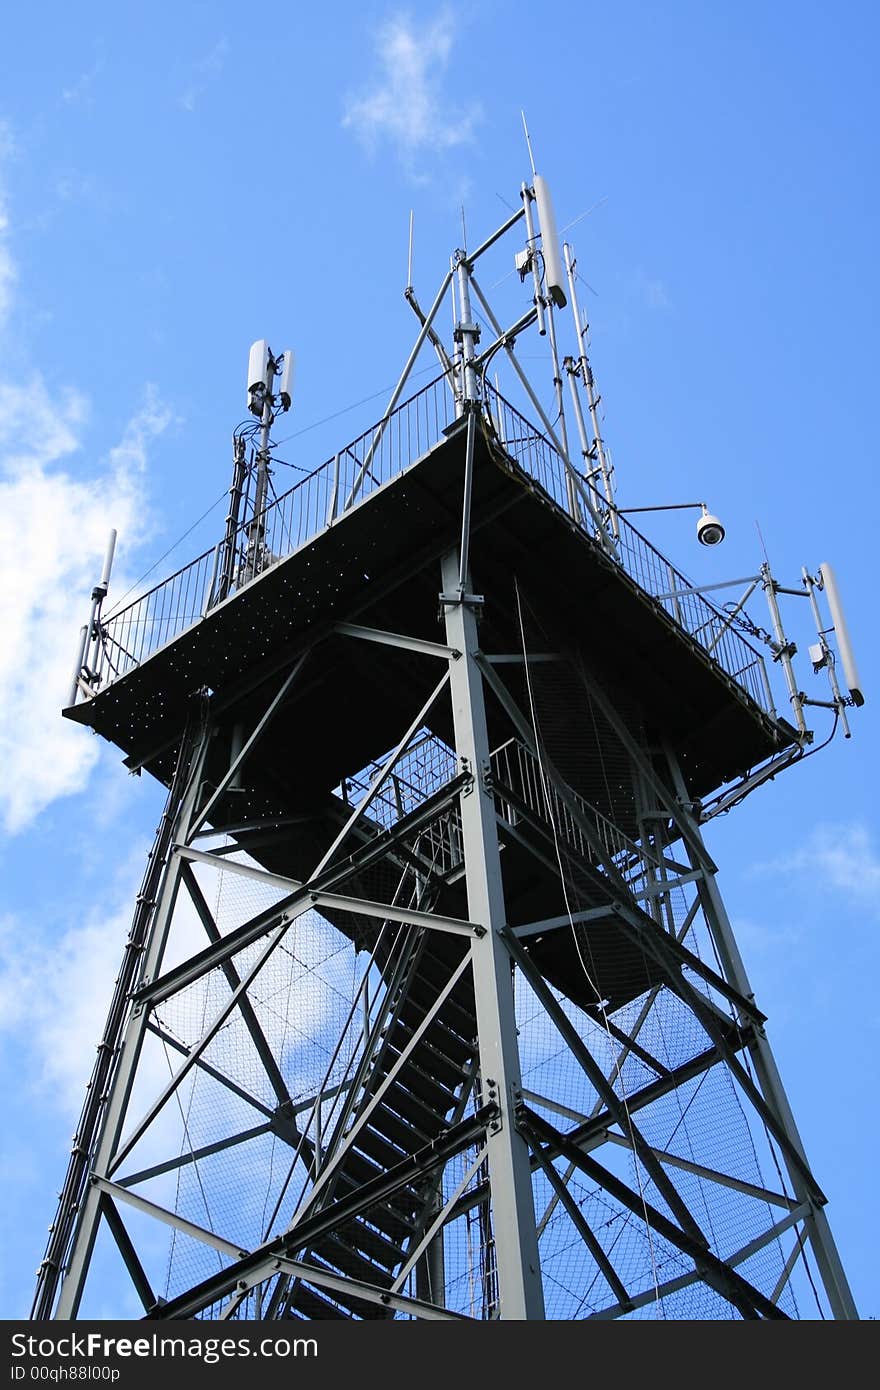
<point>841,631</point>
<point>258,381</point>
<point>549,242</point>
<point>822,654</point>
<point>285,388</point>
<point>108,561</point>
<point>236,745</point>
<point>467,333</point>
<point>409,259</point>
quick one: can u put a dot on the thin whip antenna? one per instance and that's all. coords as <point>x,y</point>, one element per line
<point>463,231</point>
<point>410,255</point>
<point>761,539</point>
<point>528,144</point>
<point>580,217</point>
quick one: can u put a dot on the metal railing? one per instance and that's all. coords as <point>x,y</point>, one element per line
<point>516,769</point>
<point>518,782</point>
<point>657,576</point>
<point>131,634</point>
<point>426,766</point>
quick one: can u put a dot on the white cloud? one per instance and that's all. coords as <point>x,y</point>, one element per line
<point>56,984</point>
<point>54,999</point>
<point>204,71</point>
<point>406,105</point>
<point>54,523</point>
<point>54,526</point>
<point>838,856</point>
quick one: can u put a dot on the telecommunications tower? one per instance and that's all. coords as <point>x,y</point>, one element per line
<point>430,1006</point>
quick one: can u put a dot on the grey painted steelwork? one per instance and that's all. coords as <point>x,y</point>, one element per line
<point>519,1278</point>
<point>470,1011</point>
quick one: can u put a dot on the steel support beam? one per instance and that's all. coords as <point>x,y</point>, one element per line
<point>262,1263</point>
<point>694,1276</point>
<point>376,848</point>
<point>714,1271</point>
<point>513,1213</point>
<point>125,1048</point>
<point>818,1229</point>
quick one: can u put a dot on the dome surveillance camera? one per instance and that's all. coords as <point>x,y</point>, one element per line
<point>709,530</point>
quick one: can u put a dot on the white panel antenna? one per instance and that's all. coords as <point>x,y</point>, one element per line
<point>549,242</point>
<point>258,374</point>
<point>844,645</point>
<point>287,370</point>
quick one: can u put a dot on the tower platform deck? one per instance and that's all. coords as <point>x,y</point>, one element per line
<point>689,678</point>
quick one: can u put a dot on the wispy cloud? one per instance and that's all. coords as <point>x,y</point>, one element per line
<point>53,530</point>
<point>203,72</point>
<point>56,983</point>
<point>80,90</point>
<point>405,104</point>
<point>54,522</point>
<point>838,856</point>
<point>54,997</point>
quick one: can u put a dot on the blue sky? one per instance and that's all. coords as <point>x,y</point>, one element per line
<point>176,181</point>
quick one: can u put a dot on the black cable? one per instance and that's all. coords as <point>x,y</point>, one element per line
<point>794,762</point>
<point>171,548</point>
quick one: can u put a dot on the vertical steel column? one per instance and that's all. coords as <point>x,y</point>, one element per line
<point>822,1241</point>
<point>133,1038</point>
<point>516,1243</point>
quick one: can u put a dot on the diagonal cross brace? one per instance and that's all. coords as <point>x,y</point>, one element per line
<point>726,1281</point>
<point>265,1259</point>
<point>616,1106</point>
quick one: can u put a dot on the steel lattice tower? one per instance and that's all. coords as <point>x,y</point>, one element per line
<point>431,1007</point>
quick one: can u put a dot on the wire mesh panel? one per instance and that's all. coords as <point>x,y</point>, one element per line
<point>313,1122</point>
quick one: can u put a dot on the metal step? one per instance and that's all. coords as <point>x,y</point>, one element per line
<point>377,1147</point>
<point>362,1170</point>
<point>412,1109</point>
<point>421,997</point>
<point>429,1055</point>
<point>373,1243</point>
<point>398,1131</point>
<point>418,1081</point>
<point>312,1307</point>
<point>359,1307</point>
<point>448,1043</point>
<point>349,1260</point>
<point>397,1226</point>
